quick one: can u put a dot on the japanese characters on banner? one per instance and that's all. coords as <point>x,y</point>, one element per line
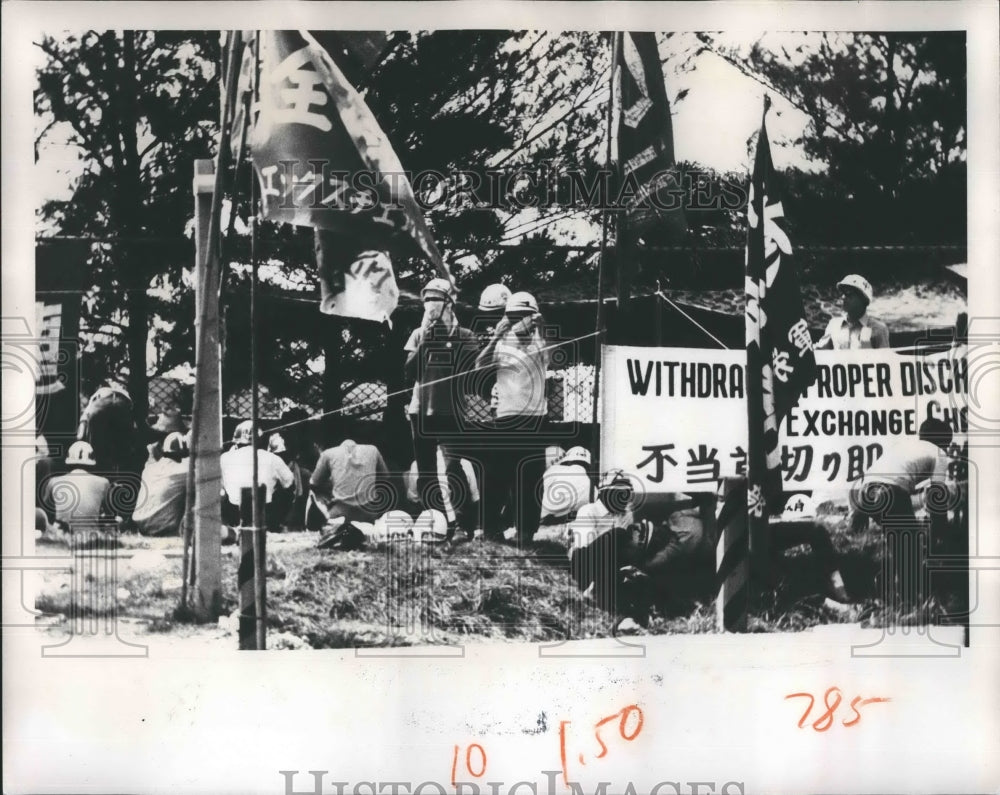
<point>676,417</point>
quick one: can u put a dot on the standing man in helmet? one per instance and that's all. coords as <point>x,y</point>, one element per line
<point>492,304</point>
<point>437,354</point>
<point>518,354</point>
<point>855,329</point>
<point>79,500</point>
<point>237,474</point>
<point>481,417</point>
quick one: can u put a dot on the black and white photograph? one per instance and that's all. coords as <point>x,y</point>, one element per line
<point>447,339</point>
<point>411,247</point>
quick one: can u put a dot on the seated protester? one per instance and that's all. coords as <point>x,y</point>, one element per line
<point>607,548</point>
<point>885,494</point>
<point>42,526</point>
<point>633,564</point>
<point>237,474</point>
<point>296,517</point>
<point>797,525</point>
<point>566,486</point>
<point>45,467</point>
<point>166,423</point>
<point>79,500</point>
<point>679,557</point>
<point>350,481</point>
<point>887,487</point>
<point>161,507</point>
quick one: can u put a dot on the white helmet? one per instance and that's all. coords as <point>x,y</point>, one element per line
<point>276,443</point>
<point>859,283</point>
<point>394,526</point>
<point>80,454</point>
<point>615,479</point>
<point>174,445</point>
<point>430,527</point>
<point>494,297</point>
<point>799,506</point>
<point>521,303</point>
<point>438,288</point>
<point>576,455</point>
<point>243,433</point>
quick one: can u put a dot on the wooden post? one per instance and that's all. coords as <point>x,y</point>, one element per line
<point>206,423</point>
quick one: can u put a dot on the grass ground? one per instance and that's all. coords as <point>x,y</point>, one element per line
<point>477,591</point>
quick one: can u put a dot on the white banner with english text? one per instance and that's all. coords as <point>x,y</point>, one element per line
<point>676,417</point>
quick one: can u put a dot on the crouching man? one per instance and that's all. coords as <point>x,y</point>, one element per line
<point>607,551</point>
<point>627,565</point>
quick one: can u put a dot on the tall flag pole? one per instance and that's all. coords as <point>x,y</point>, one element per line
<point>258,531</point>
<point>648,183</point>
<point>781,364</point>
<point>609,159</point>
<point>322,160</point>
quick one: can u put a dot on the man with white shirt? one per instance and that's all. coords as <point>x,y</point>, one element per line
<point>566,486</point>
<point>237,474</point>
<point>79,500</point>
<point>855,329</point>
<point>888,485</point>
<point>165,483</point>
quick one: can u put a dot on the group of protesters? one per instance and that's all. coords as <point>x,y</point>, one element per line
<point>471,477</point>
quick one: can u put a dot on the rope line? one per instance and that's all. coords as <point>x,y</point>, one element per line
<point>709,333</point>
<point>399,392</point>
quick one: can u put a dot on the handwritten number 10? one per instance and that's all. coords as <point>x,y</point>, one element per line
<point>825,721</point>
<point>474,750</point>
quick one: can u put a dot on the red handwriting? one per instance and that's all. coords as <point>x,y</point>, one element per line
<point>825,721</point>
<point>630,720</point>
<point>472,752</point>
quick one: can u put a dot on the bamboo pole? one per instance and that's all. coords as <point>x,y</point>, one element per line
<point>204,514</point>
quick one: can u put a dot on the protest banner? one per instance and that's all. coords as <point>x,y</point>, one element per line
<point>676,417</point>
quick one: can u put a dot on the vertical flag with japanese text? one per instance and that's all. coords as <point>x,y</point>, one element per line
<point>781,364</point>
<point>649,188</point>
<point>323,161</point>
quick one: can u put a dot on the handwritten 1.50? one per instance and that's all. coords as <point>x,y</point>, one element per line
<point>832,700</point>
<point>629,720</point>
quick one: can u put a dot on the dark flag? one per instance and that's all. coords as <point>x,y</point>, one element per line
<point>648,184</point>
<point>780,360</point>
<point>323,161</point>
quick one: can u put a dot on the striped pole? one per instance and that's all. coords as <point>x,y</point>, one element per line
<point>732,558</point>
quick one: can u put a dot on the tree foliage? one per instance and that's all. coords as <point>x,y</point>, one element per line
<point>887,124</point>
<point>139,107</point>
